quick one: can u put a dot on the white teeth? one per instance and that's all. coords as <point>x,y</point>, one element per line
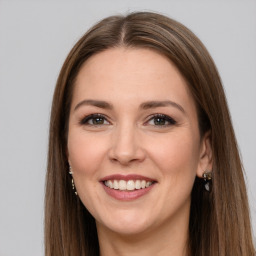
<point>148,183</point>
<point>128,185</point>
<point>115,185</point>
<point>109,183</point>
<point>137,184</point>
<point>143,184</point>
<point>122,185</point>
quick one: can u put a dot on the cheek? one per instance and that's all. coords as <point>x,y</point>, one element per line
<point>86,152</point>
<point>176,155</point>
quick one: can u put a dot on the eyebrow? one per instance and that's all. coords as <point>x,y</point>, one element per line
<point>96,103</point>
<point>144,105</point>
<point>165,103</point>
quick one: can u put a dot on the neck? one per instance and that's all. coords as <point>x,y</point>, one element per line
<point>169,239</point>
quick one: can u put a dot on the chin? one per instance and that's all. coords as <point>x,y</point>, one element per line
<point>127,224</point>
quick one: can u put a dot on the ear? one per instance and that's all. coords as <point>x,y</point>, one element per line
<point>205,157</point>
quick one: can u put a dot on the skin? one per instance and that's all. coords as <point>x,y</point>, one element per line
<point>128,140</point>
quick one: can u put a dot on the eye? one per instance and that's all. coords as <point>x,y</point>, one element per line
<point>161,120</point>
<point>95,120</point>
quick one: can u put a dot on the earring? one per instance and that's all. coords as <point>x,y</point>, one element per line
<point>72,180</point>
<point>207,176</point>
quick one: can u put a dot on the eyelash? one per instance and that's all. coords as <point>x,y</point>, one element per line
<point>85,121</point>
<point>160,117</point>
<point>165,118</point>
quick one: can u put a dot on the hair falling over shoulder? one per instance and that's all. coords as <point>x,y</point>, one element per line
<point>219,220</point>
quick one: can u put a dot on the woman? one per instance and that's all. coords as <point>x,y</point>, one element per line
<point>142,154</point>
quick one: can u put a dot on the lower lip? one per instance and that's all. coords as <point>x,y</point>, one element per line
<point>127,195</point>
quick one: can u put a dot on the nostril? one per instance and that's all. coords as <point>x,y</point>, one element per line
<point>126,156</point>
<point>126,147</point>
<point>125,160</point>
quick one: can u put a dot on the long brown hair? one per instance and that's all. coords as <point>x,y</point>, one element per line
<point>219,220</point>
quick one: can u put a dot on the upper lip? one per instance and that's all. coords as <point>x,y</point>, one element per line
<point>126,177</point>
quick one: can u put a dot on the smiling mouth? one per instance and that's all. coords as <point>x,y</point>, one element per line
<point>128,185</point>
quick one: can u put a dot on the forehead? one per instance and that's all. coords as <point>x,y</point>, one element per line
<point>134,62</point>
<point>130,74</point>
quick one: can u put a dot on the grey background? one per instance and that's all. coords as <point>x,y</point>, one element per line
<point>35,37</point>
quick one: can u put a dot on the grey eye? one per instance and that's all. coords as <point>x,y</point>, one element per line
<point>161,120</point>
<point>95,119</point>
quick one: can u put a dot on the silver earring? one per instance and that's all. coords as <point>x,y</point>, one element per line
<point>70,170</point>
<point>72,180</point>
<point>207,176</point>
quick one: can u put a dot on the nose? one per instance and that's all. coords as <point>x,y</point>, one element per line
<point>126,146</point>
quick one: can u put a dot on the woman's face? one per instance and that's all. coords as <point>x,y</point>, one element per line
<point>133,141</point>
